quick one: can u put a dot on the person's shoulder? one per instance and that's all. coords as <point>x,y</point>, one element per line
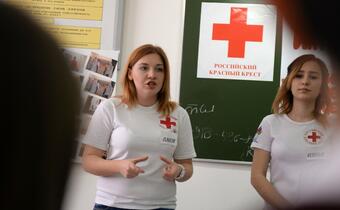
<point>112,103</point>
<point>272,118</point>
<point>180,110</point>
<point>116,101</point>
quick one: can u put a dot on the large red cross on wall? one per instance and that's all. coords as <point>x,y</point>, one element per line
<point>237,32</point>
<point>314,137</point>
<point>167,122</point>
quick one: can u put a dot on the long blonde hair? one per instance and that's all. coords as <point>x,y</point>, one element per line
<point>283,102</point>
<point>129,95</point>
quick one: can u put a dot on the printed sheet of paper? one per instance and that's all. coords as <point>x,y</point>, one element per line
<point>76,23</point>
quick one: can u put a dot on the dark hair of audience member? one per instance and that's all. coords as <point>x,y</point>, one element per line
<point>44,103</point>
<point>316,22</point>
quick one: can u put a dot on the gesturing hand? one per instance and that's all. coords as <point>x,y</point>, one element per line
<point>171,170</point>
<point>129,169</point>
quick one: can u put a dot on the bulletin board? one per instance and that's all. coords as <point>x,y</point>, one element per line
<point>89,34</point>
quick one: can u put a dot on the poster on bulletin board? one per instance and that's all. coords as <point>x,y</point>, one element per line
<point>89,33</point>
<point>94,24</point>
<point>96,71</point>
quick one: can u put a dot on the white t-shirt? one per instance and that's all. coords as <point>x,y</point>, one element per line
<point>292,146</point>
<point>129,133</point>
<point>321,185</point>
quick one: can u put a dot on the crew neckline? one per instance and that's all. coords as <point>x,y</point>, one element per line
<point>296,122</point>
<point>148,108</point>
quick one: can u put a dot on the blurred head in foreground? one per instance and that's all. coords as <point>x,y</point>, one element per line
<point>44,104</point>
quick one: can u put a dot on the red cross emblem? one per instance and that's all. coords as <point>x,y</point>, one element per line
<point>313,136</point>
<point>237,32</point>
<point>167,122</point>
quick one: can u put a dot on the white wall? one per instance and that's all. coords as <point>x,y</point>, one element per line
<point>158,22</point>
<point>214,186</point>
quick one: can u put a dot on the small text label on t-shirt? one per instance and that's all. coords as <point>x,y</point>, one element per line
<point>169,140</point>
<point>315,155</point>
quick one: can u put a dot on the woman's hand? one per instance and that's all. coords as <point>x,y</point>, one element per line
<point>171,170</point>
<point>129,169</point>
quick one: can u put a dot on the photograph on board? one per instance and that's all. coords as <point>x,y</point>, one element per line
<point>80,78</point>
<point>91,104</point>
<point>75,60</point>
<point>101,64</point>
<point>99,87</point>
<point>85,121</point>
<point>78,152</point>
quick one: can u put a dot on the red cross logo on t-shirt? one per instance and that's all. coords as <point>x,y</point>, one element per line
<point>237,32</point>
<point>313,136</point>
<point>167,122</point>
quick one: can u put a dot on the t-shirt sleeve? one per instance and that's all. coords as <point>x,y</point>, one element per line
<point>101,126</point>
<point>185,146</point>
<point>263,138</point>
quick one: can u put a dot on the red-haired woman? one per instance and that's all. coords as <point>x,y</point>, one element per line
<point>147,137</point>
<point>294,135</point>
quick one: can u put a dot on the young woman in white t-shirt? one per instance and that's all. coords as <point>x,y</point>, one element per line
<point>321,185</point>
<point>294,136</point>
<point>146,139</point>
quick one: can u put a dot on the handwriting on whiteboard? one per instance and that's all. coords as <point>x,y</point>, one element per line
<point>226,136</point>
<point>207,134</point>
<point>199,109</point>
<point>247,153</point>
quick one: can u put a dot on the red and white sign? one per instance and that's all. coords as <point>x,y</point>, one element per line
<point>237,41</point>
<point>292,47</point>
